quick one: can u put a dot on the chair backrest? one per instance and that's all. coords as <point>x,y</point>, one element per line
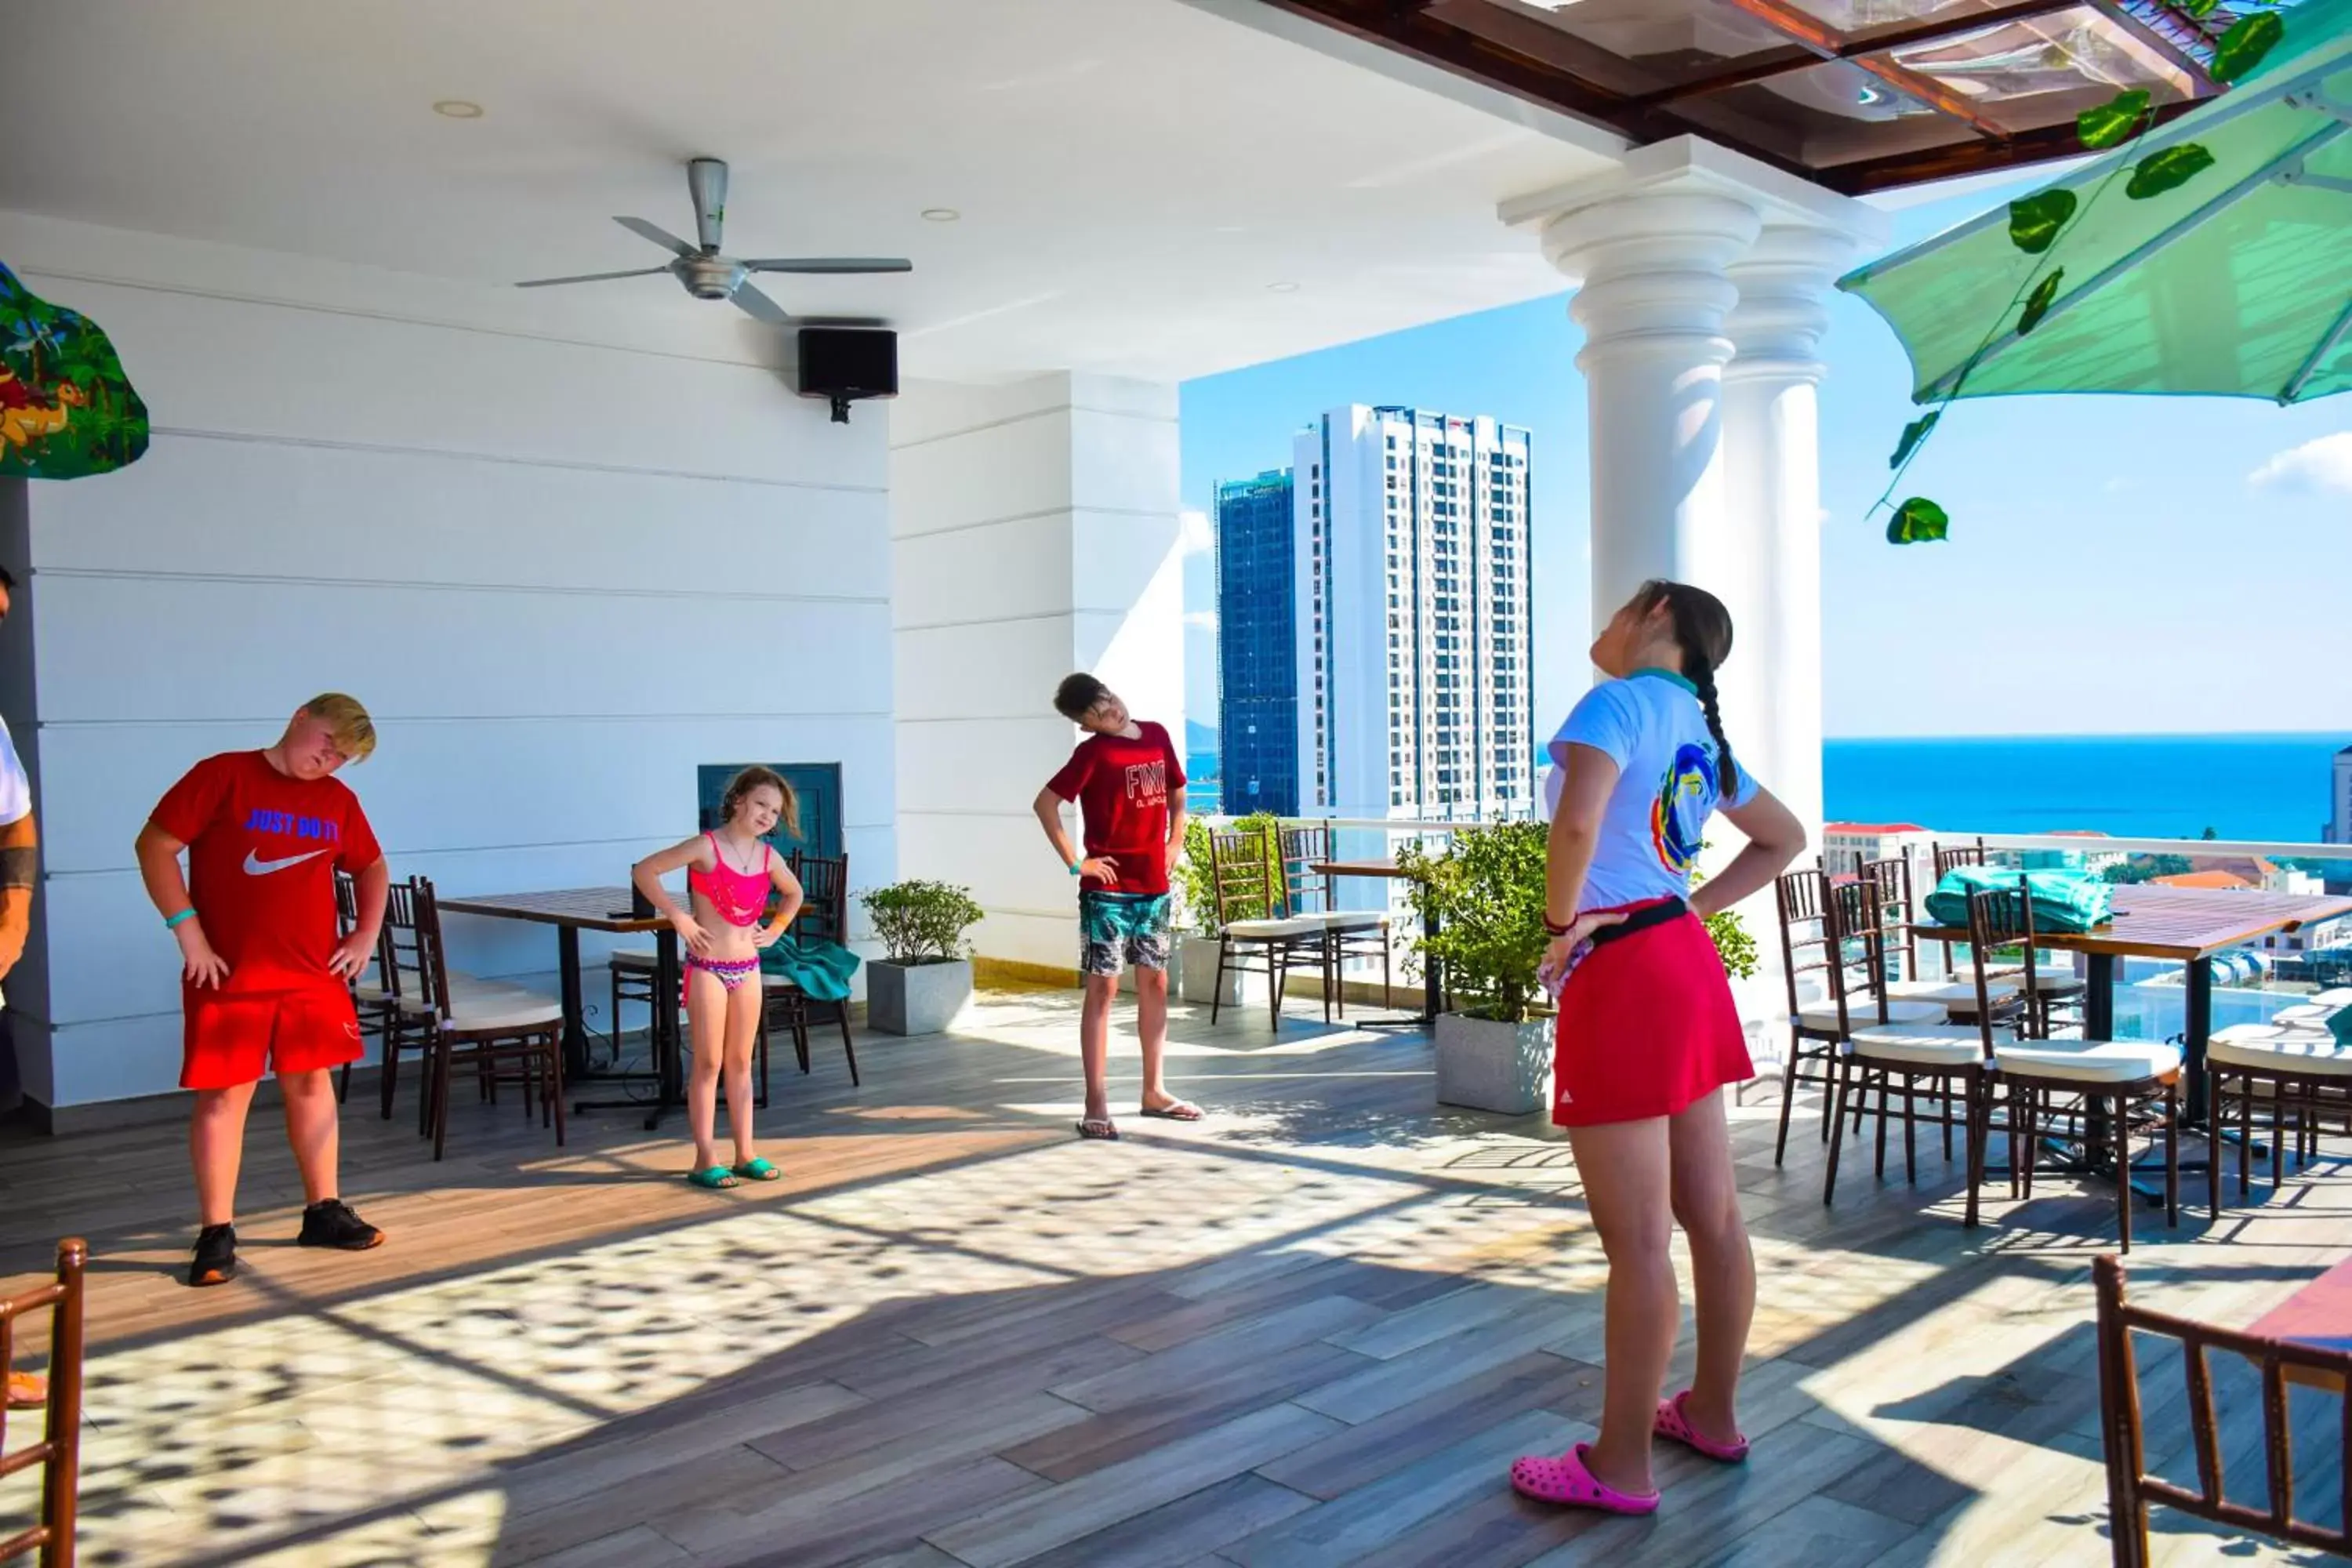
<point>824,896</point>
<point>1890,880</point>
<point>400,951</point>
<point>2002,920</point>
<point>1950,855</point>
<point>1242,876</point>
<point>1306,891</point>
<point>432,952</point>
<point>2130,1488</point>
<point>1860,976</point>
<point>59,1451</point>
<point>1809,941</point>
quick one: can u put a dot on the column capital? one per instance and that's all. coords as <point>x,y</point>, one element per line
<point>1784,281</point>
<point>1651,269</point>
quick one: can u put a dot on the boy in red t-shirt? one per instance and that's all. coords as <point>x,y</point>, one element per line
<point>265,983</point>
<point>1129,786</point>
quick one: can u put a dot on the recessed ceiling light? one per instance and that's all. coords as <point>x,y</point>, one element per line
<point>1283,288</point>
<point>941,214</point>
<point>457,109</point>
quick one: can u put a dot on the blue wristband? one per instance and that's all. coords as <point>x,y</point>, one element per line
<point>1075,869</point>
<point>174,922</point>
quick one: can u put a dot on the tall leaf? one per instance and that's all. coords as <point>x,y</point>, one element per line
<point>2034,221</point>
<point>2037,304</point>
<point>2112,120</point>
<point>2242,49</point>
<point>2200,9</point>
<point>2168,170</point>
<point>1917,522</point>
<point>1913,433</point>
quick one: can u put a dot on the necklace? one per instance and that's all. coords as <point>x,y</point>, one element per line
<point>729,861</point>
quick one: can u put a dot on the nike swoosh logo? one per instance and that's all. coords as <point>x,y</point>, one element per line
<point>256,867</point>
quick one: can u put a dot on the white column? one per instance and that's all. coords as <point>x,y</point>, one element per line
<point>1772,469</point>
<point>1034,532</point>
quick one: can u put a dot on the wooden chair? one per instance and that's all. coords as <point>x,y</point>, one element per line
<point>2100,1091</point>
<point>825,916</point>
<point>1311,894</point>
<point>58,1452</point>
<point>1875,1059</point>
<point>2130,1487</point>
<point>493,1026</point>
<point>374,1004</point>
<point>1814,942</point>
<point>1948,856</point>
<point>1254,936</point>
<point>2294,1071</point>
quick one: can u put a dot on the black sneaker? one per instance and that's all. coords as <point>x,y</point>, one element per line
<point>333,1223</point>
<point>215,1260</point>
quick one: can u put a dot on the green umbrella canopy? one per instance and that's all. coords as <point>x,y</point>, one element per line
<point>2236,282</point>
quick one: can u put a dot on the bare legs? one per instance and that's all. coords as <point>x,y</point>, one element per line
<point>726,1026</point>
<point>216,1141</point>
<point>1640,1178</point>
<point>1093,1041</point>
<point>1152,1026</point>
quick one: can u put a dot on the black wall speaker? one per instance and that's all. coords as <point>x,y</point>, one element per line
<point>842,364</point>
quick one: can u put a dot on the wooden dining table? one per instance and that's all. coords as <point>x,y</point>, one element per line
<point>1433,982</point>
<point>570,911</point>
<point>2190,926</point>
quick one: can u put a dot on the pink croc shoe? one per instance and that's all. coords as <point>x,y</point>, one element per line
<point>1565,1478</point>
<point>1672,1423</point>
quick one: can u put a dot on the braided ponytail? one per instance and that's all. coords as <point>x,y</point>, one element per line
<point>1702,631</point>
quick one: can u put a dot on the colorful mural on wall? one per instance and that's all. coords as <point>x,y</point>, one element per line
<point>66,409</point>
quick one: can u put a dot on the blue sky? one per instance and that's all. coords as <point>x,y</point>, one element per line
<point>2118,565</point>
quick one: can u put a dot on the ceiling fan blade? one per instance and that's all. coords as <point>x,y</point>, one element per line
<point>658,234</point>
<point>754,304</point>
<point>591,277</point>
<point>830,263</point>
<point>705,181</point>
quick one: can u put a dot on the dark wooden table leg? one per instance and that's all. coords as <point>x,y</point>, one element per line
<point>1433,982</point>
<point>575,1027</point>
<point>668,1053</point>
<point>2200,1034</point>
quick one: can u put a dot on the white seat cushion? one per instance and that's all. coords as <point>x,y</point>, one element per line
<point>1821,1016</point>
<point>634,958</point>
<point>2046,976</point>
<point>506,1007</point>
<point>2088,1061</point>
<point>1920,1045</point>
<point>1265,931</point>
<point>1952,994</point>
<point>1368,919</point>
<point>2282,1048</point>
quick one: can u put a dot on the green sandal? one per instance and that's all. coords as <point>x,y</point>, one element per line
<point>717,1178</point>
<point>759,1170</point>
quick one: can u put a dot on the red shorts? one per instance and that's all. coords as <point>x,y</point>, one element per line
<point>231,1038</point>
<point>1647,1027</point>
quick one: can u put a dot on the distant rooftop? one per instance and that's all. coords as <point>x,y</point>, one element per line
<point>1880,828</point>
<point>2227,880</point>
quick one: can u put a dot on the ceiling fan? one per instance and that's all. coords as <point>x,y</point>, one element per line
<point>707,274</point>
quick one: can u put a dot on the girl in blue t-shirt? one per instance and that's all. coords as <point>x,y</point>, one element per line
<point>1648,1033</point>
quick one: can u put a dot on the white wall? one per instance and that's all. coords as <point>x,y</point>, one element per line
<point>1034,533</point>
<point>562,564</point>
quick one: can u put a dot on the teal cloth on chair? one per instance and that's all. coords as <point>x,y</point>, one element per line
<point>821,969</point>
<point>2063,900</point>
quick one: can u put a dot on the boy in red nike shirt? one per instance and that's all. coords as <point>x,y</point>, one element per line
<point>265,983</point>
<point>1129,786</point>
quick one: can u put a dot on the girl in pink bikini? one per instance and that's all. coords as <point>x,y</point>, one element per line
<point>729,876</point>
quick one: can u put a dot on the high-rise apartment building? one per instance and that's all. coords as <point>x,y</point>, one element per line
<point>1411,604</point>
<point>1258,656</point>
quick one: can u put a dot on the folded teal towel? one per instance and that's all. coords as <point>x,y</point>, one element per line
<point>818,967</point>
<point>2063,900</point>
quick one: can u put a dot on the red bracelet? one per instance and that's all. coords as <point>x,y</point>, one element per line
<point>1555,930</point>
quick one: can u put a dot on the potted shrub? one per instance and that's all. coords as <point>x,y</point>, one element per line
<point>1198,943</point>
<point>1493,1051</point>
<point>925,974</point>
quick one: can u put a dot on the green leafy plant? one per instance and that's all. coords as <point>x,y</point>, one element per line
<point>2040,223</point>
<point>1487,892</point>
<point>920,921</point>
<point>1194,878</point>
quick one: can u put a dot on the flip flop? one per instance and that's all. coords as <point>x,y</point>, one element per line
<point>1102,1128</point>
<point>759,1170</point>
<point>717,1178</point>
<point>1673,1423</point>
<point>1565,1478</point>
<point>27,1391</point>
<point>1181,1111</point>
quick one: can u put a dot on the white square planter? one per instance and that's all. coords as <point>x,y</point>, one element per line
<point>916,998</point>
<point>1502,1067</point>
<point>1196,972</point>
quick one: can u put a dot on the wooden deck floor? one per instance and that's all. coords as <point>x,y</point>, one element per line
<point>1312,1330</point>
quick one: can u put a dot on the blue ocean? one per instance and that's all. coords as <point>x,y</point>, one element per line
<point>2261,788</point>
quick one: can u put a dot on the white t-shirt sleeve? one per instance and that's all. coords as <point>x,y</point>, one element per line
<point>1608,719</point>
<point>16,789</point>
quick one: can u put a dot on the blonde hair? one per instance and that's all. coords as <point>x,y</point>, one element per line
<point>354,731</point>
<point>755,777</point>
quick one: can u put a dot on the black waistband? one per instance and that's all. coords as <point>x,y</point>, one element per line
<point>1643,919</point>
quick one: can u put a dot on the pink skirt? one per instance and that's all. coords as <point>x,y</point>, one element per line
<point>1647,1027</point>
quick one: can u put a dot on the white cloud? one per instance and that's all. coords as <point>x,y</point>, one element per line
<point>1201,620</point>
<point>2323,464</point>
<point>1193,536</point>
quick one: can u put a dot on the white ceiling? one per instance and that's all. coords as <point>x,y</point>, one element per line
<point>1133,175</point>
